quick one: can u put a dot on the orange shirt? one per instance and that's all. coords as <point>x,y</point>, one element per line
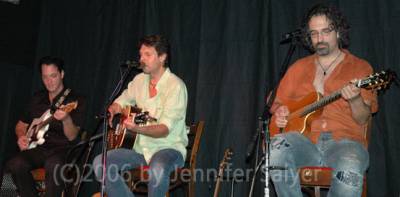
<point>336,116</point>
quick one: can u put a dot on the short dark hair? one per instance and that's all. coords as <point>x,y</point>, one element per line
<point>160,43</point>
<point>338,23</point>
<point>56,61</point>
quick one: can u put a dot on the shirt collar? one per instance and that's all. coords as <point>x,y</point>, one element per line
<point>163,80</point>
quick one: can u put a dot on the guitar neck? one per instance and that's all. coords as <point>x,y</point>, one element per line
<point>218,183</point>
<point>46,121</point>
<point>321,103</point>
<point>227,156</point>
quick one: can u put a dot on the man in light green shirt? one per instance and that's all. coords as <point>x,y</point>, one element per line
<point>160,145</point>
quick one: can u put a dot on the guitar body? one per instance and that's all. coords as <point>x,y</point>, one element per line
<point>304,111</point>
<point>36,131</point>
<point>296,120</point>
<point>120,137</point>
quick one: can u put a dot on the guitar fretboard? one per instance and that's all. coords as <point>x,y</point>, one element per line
<point>321,103</point>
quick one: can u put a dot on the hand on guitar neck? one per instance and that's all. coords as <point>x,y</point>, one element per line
<point>61,115</point>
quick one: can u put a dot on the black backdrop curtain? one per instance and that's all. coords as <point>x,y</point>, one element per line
<point>228,54</point>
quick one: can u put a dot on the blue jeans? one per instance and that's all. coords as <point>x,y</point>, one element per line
<point>119,160</point>
<point>349,160</point>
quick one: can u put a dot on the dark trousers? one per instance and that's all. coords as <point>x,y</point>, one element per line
<point>52,160</point>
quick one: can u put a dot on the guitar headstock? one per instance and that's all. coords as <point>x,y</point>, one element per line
<point>225,161</point>
<point>227,157</point>
<point>70,106</point>
<point>377,81</point>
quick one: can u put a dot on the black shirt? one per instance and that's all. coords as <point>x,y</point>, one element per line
<point>40,103</point>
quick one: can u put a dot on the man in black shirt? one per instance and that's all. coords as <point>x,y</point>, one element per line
<point>60,135</point>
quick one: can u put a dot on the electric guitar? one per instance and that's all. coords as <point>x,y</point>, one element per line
<point>225,161</point>
<point>309,108</point>
<point>121,137</point>
<point>39,126</point>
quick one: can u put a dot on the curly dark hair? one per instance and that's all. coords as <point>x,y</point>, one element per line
<point>56,61</point>
<point>338,23</point>
<point>160,43</point>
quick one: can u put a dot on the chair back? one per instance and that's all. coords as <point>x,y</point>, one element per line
<point>194,136</point>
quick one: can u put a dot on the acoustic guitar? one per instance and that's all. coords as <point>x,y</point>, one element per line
<point>309,108</point>
<point>39,126</point>
<point>224,162</point>
<point>121,137</point>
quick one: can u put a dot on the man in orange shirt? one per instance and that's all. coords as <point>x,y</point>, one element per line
<point>337,136</point>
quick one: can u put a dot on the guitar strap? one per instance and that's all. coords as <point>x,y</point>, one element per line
<point>57,105</point>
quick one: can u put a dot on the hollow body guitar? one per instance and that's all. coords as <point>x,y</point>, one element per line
<point>120,136</point>
<point>307,109</point>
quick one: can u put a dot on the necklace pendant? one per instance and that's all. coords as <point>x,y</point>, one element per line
<point>324,73</point>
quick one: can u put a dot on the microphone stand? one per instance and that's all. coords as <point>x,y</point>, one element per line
<point>90,142</point>
<point>294,41</point>
<point>112,97</point>
<point>257,164</point>
<point>266,116</point>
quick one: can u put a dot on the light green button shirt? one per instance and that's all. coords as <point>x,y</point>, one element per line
<point>168,107</point>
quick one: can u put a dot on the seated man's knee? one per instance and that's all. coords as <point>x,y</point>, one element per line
<point>351,166</point>
<point>281,142</point>
<point>280,153</point>
<point>112,170</point>
<point>349,178</point>
<point>356,160</point>
<point>157,170</point>
<point>55,162</point>
<point>157,177</point>
<point>55,169</point>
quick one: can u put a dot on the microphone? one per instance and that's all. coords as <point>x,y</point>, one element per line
<point>131,64</point>
<point>290,35</point>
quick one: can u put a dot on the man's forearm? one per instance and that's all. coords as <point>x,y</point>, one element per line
<point>156,131</point>
<point>360,110</point>
<point>20,129</point>
<point>70,129</point>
